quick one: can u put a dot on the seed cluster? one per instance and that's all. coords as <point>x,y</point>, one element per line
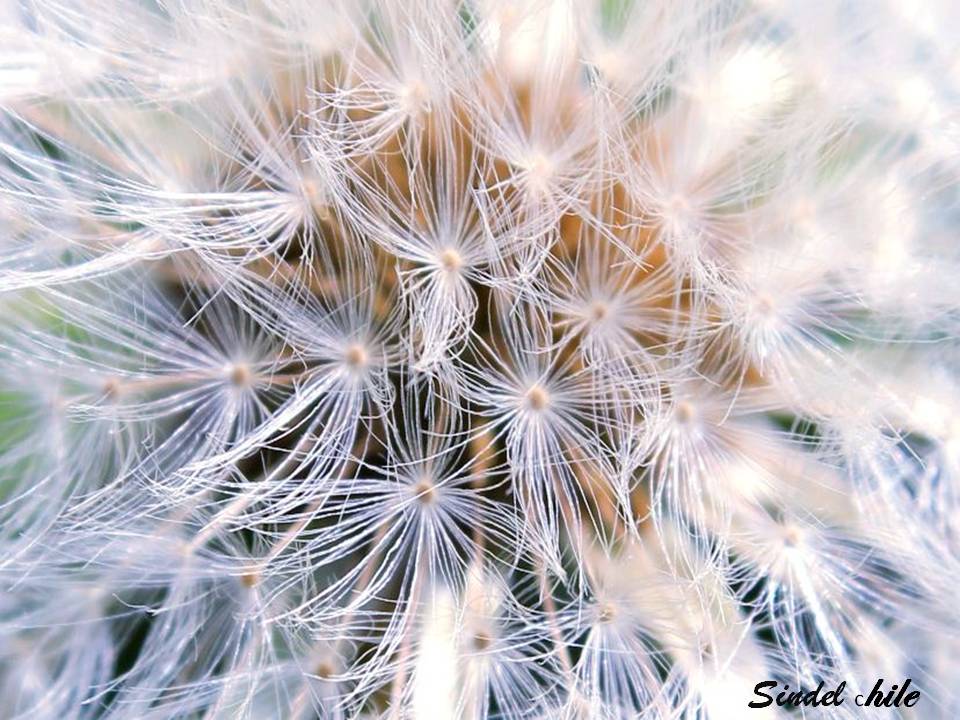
<point>437,359</point>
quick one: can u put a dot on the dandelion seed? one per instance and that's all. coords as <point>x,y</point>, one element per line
<point>482,360</point>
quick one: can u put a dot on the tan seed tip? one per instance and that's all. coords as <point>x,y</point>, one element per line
<point>451,260</point>
<point>684,412</point>
<point>356,356</point>
<point>537,398</point>
<point>607,614</point>
<point>481,641</point>
<point>599,311</point>
<point>240,375</point>
<point>425,492</point>
<point>111,388</point>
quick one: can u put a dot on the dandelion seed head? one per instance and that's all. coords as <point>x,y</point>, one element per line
<point>606,614</point>
<point>537,398</point>
<point>481,641</point>
<point>792,536</point>
<point>314,198</point>
<point>599,311</point>
<point>451,261</point>
<point>414,97</point>
<point>425,492</point>
<point>685,413</point>
<point>111,388</point>
<point>239,375</point>
<point>356,356</point>
<point>324,670</point>
<point>538,172</point>
<point>483,360</point>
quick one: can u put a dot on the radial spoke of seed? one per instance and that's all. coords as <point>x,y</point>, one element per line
<point>301,704</point>
<point>240,375</point>
<point>276,271</point>
<point>571,518</point>
<point>244,500</point>
<point>481,453</point>
<point>556,635</point>
<point>399,682</point>
<point>307,516</point>
<point>606,508</point>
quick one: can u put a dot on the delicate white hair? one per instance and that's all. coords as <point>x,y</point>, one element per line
<point>476,358</point>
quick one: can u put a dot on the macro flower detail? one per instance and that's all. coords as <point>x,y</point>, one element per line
<point>428,359</point>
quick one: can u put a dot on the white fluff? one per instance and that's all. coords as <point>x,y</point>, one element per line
<point>476,359</point>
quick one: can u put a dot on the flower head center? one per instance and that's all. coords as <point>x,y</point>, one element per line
<point>240,375</point>
<point>425,492</point>
<point>791,536</point>
<point>356,356</point>
<point>315,198</point>
<point>537,398</point>
<point>684,412</point>
<point>414,97</point>
<point>763,305</point>
<point>481,641</point>
<point>539,170</point>
<point>451,260</point>
<point>599,311</point>
<point>607,614</point>
<point>112,388</point>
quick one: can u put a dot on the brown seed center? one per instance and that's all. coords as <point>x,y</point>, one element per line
<point>607,614</point>
<point>425,492</point>
<point>481,641</point>
<point>684,412</point>
<point>356,356</point>
<point>599,311</point>
<point>451,260</point>
<point>537,398</point>
<point>240,375</point>
<point>791,536</point>
<point>111,388</point>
